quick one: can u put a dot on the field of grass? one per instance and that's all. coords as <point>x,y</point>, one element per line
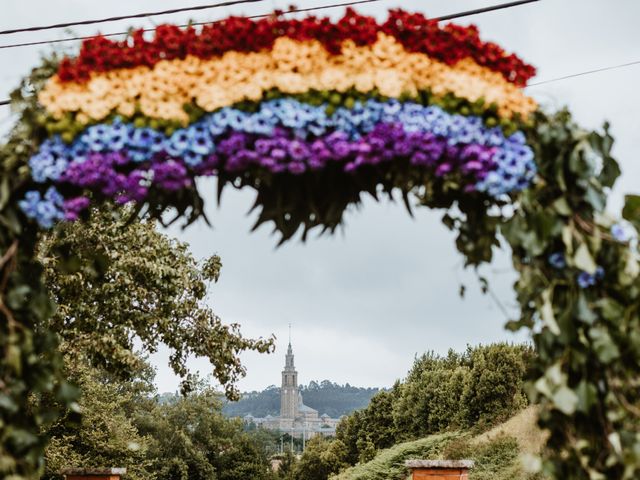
<point>496,453</point>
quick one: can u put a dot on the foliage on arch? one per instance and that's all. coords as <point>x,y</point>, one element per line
<point>312,115</point>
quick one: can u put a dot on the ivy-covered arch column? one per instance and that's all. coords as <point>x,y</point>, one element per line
<point>312,115</point>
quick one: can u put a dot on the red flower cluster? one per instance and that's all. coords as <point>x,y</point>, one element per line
<point>448,44</point>
<point>452,43</point>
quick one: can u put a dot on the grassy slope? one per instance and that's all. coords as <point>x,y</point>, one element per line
<point>496,452</point>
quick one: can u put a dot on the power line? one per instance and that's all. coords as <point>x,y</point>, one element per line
<point>439,19</point>
<point>581,74</point>
<point>114,34</point>
<point>323,7</point>
<point>491,8</point>
<point>125,17</point>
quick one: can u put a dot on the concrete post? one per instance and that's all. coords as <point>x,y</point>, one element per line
<point>93,473</point>
<point>439,469</point>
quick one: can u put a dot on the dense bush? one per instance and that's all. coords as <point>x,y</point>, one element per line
<point>493,389</point>
<point>473,390</point>
<point>321,459</point>
<point>429,400</point>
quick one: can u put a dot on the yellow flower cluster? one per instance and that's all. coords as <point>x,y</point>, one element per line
<point>291,67</point>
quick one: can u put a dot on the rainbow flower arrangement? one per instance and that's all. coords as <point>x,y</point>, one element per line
<point>282,105</point>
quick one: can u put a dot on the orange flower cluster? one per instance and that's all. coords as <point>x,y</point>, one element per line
<point>292,67</point>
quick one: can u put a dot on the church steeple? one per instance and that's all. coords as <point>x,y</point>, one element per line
<point>289,388</point>
<point>288,359</point>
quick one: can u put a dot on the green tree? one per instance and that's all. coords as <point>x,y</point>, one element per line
<point>105,435</point>
<point>471,390</point>
<point>193,440</point>
<point>378,420</point>
<point>494,389</point>
<point>429,400</point>
<point>120,285</point>
<point>320,459</point>
<point>348,432</point>
<point>123,424</point>
<point>286,466</point>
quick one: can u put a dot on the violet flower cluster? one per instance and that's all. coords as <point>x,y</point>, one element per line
<point>123,162</point>
<point>387,142</point>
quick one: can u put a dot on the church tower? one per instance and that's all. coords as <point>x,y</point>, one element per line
<point>289,389</point>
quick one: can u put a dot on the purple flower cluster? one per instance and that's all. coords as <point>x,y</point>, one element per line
<point>106,173</point>
<point>283,152</point>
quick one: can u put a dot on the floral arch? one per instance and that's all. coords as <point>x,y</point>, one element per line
<point>312,114</point>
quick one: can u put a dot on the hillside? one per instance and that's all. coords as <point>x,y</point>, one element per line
<point>496,452</point>
<point>326,397</point>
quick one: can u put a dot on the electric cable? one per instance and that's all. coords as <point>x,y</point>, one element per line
<point>113,34</point>
<point>491,8</point>
<point>125,17</point>
<point>581,74</point>
<point>295,10</point>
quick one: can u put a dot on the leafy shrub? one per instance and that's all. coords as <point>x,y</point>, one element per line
<point>473,390</point>
<point>494,387</point>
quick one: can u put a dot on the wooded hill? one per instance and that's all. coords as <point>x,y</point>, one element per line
<point>326,397</point>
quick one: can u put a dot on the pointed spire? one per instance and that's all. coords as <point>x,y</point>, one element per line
<point>289,356</point>
<point>289,349</point>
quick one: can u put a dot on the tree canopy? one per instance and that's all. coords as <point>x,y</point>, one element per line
<point>123,288</point>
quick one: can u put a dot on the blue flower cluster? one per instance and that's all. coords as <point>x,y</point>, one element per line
<point>621,232</point>
<point>557,260</point>
<point>515,166</point>
<point>586,279</point>
<point>45,210</point>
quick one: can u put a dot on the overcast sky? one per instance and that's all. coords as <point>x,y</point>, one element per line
<point>364,302</point>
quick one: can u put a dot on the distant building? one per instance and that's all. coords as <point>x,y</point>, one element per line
<point>295,418</point>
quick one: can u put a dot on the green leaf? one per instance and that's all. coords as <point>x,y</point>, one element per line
<point>17,296</point>
<point>587,396</point>
<point>631,269</point>
<point>67,392</point>
<point>603,344</point>
<point>562,207</point>
<point>547,314</point>
<point>611,310</point>
<point>5,192</point>
<point>610,172</point>
<point>631,210</point>
<point>567,239</point>
<point>596,198</point>
<point>22,438</point>
<point>583,311</point>
<point>583,259</point>
<point>7,403</point>
<point>565,400</point>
